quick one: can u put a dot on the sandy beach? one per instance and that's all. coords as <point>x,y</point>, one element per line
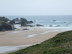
<point>24,38</point>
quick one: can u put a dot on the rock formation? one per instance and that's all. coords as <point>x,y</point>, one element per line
<point>5,26</point>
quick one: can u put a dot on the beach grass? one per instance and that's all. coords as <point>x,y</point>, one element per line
<point>60,44</point>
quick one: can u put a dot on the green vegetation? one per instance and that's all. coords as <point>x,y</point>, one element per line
<point>60,44</point>
<point>3,19</point>
<point>5,26</point>
<point>2,22</point>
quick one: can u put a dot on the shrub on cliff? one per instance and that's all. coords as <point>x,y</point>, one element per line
<point>5,26</point>
<point>4,19</point>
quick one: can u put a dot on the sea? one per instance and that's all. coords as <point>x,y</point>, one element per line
<point>53,21</point>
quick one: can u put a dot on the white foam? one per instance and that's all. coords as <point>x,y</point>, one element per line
<point>33,35</point>
<point>31,29</point>
<point>4,49</point>
<point>56,27</point>
<point>17,26</point>
<point>7,48</point>
<point>55,31</point>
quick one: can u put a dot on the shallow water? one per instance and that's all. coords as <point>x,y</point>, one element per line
<point>4,49</point>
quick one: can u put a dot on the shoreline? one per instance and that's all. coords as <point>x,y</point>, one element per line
<point>27,37</point>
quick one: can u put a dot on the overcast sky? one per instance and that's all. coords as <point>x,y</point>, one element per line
<point>35,7</point>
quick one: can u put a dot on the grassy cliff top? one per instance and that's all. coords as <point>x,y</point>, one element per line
<point>2,22</point>
<point>60,44</point>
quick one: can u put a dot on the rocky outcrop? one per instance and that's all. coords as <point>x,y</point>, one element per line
<point>24,22</point>
<point>15,21</point>
<point>4,19</point>
<point>21,21</point>
<point>5,26</point>
<point>12,22</point>
<point>39,25</point>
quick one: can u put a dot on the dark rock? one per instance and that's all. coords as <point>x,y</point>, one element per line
<point>54,20</point>
<point>1,28</point>
<point>39,25</point>
<point>15,21</point>
<point>26,29</point>
<point>5,26</point>
<point>50,25</point>
<point>6,19</point>
<point>23,22</point>
<point>31,25</point>
<point>12,22</point>
<point>3,19</point>
<point>31,21</point>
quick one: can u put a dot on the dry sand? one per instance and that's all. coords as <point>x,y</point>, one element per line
<point>21,37</point>
<point>14,38</point>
